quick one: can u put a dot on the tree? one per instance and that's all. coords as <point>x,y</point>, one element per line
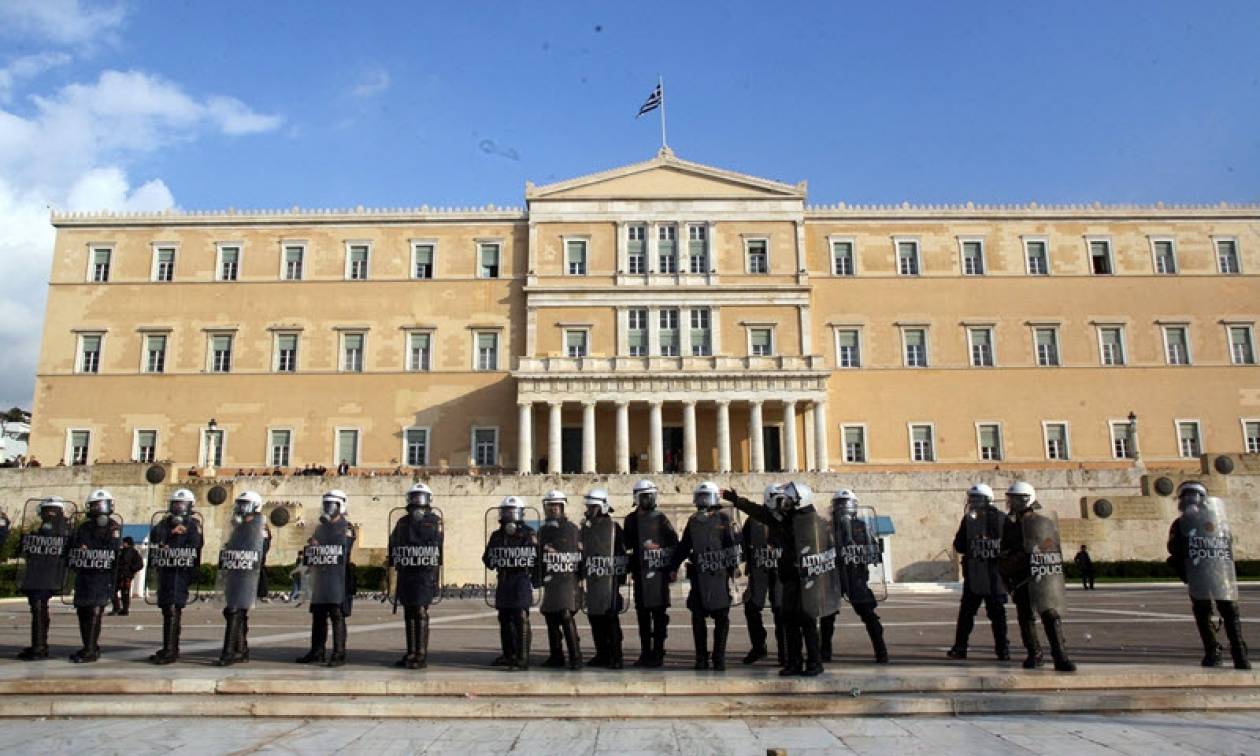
<point>15,415</point>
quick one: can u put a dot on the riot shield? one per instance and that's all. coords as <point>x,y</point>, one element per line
<point>240,563</point>
<point>738,572</point>
<point>510,557</point>
<point>858,547</point>
<point>168,563</point>
<point>984,541</point>
<point>815,554</point>
<point>92,568</point>
<point>1045,561</point>
<point>41,556</point>
<point>560,548</point>
<point>605,568</point>
<point>714,554</point>
<point>414,569</point>
<point>761,566</point>
<point>1210,572</point>
<point>327,560</point>
<point>655,550</point>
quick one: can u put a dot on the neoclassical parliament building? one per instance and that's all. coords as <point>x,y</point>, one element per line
<point>664,316</point>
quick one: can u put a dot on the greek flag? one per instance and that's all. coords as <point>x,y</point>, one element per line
<point>653,101</point>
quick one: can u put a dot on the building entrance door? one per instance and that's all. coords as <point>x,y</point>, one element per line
<point>772,449</point>
<point>570,450</point>
<point>672,449</point>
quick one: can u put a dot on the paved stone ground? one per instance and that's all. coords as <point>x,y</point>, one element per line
<point>1141,734</point>
<point>1110,625</point>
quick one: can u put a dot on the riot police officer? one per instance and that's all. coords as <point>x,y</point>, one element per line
<point>979,540</point>
<point>559,541</point>
<point>604,571</point>
<point>43,552</point>
<point>762,551</point>
<point>807,571</point>
<point>856,550</point>
<point>1201,549</point>
<point>93,552</point>
<point>651,539</point>
<point>710,545</point>
<point>415,552</point>
<point>240,569</point>
<point>175,544</point>
<point>512,551</point>
<point>1032,561</point>
<point>327,556</point>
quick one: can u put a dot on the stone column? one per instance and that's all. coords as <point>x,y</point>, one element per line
<point>724,435</point>
<point>756,456</point>
<point>810,457</point>
<point>525,438</point>
<point>623,438</point>
<point>555,449</point>
<point>689,436</point>
<point>588,437</point>
<point>656,453</point>
<point>789,435</point>
<point>823,460</point>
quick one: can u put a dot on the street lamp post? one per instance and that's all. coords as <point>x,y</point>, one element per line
<point>211,427</point>
<point>1133,435</point>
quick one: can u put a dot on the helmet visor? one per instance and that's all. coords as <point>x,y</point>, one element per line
<point>705,499</point>
<point>101,506</point>
<point>645,499</point>
<point>419,499</point>
<point>331,507</point>
<point>180,507</point>
<point>511,514</point>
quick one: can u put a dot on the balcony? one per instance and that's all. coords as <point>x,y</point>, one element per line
<point>607,366</point>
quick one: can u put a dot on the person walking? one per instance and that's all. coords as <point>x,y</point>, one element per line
<point>1086,565</point>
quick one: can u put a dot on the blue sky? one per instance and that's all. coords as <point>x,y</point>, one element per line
<point>274,104</point>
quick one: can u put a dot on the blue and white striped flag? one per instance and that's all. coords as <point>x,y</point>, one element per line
<point>653,101</point>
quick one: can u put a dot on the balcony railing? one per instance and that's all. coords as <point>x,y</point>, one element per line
<point>590,365</point>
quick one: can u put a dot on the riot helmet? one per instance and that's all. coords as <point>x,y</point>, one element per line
<point>597,503</point>
<point>333,504</point>
<point>52,509</point>
<point>247,504</point>
<point>979,496</point>
<point>773,497</point>
<point>419,497</point>
<point>1191,493</point>
<point>553,504</point>
<point>797,496</point>
<point>706,497</point>
<point>844,503</point>
<point>1020,497</point>
<point>645,495</point>
<point>511,513</point>
<point>100,505</point>
<point>180,505</point>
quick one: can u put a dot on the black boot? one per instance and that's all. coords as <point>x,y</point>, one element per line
<point>1058,646</point>
<point>572,644</point>
<point>779,639</point>
<point>555,639</point>
<point>85,632</point>
<point>875,629</point>
<point>409,632</point>
<point>1233,630</point>
<point>793,664</point>
<point>826,629</point>
<point>338,656</point>
<point>504,659</point>
<point>319,639</point>
<point>523,640</point>
<point>813,651</point>
<point>721,629</point>
<point>700,636</point>
<point>1207,633</point>
<point>644,617</point>
<point>613,641</point>
<point>163,656</point>
<point>1028,634</point>
<point>422,638</point>
<point>962,628</point>
<point>39,634</point>
<point>97,618</point>
<point>756,635</point>
<point>997,621</point>
<point>600,641</point>
<point>242,640</point>
<point>231,634</point>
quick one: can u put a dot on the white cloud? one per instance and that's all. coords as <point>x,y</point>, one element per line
<point>64,22</point>
<point>373,83</point>
<point>28,67</point>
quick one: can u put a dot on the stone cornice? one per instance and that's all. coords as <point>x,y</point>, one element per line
<point>1032,210</point>
<point>294,216</point>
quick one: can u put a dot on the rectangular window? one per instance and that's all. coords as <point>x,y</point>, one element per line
<point>758,256</point>
<point>1176,345</point>
<point>1227,256</point>
<point>1111,345</point>
<point>164,264</point>
<point>761,342</point>
<point>989,437</point>
<point>419,351</point>
<point>575,343</point>
<point>667,249</point>
<point>973,258</point>
<point>1251,434</point>
<point>575,257</point>
<point>293,255</point>
<point>488,260</point>
<point>1241,348</point>
<point>1057,441</point>
<point>1122,441</point>
<point>155,353</point>
<point>1188,442</point>
<point>854,444</point>
<point>916,346</point>
<point>637,332</point>
<point>221,353</point>
<point>701,333</point>
<point>100,264</point>
<point>229,263</point>
<point>281,443</point>
<point>667,332</point>
<point>90,352</point>
<point>358,256</point>
<point>848,348</point>
<point>1047,341</point>
<point>981,346</point>
<point>417,447</point>
<point>79,441</point>
<point>146,445</point>
<point>422,261</point>
<point>842,258</point>
<point>921,444</point>
<point>486,447</point>
<point>1038,256</point>
<point>1165,256</point>
<point>348,446</point>
<point>286,352</point>
<point>636,249</point>
<point>214,448</point>
<point>487,350</point>
<point>352,352</point>
<point>698,249</point>
<point>1100,257</point>
<point>908,258</point>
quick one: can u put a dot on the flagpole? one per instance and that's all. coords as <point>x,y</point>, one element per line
<point>660,82</point>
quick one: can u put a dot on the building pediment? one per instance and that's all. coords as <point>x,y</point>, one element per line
<point>666,177</point>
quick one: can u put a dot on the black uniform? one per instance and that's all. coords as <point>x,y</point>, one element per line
<point>854,574</point>
<point>415,553</point>
<point>175,554</point>
<point>1017,570</point>
<point>93,553</point>
<point>515,558</point>
<point>762,551</point>
<point>44,558</point>
<point>604,561</point>
<point>560,562</point>
<point>650,568</point>
<point>710,546</point>
<point>1085,563</point>
<point>978,540</point>
<point>1219,589</point>
<point>332,587</point>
